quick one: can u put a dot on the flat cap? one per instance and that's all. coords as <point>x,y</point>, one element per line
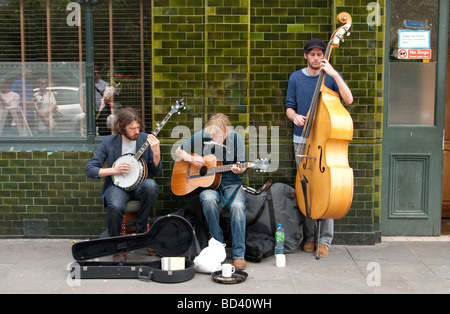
<point>314,43</point>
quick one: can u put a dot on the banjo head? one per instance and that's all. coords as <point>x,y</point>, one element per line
<point>131,180</point>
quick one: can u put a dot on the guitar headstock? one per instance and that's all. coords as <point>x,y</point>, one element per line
<point>179,104</point>
<point>261,165</point>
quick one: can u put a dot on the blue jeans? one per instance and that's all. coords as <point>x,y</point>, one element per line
<point>210,200</point>
<point>116,199</point>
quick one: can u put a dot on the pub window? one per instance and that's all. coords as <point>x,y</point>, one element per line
<point>42,66</point>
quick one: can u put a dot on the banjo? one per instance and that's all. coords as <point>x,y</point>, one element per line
<point>138,167</point>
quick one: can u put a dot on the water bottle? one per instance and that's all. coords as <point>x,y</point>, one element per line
<point>279,240</point>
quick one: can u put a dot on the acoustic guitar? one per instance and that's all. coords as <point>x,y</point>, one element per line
<point>138,168</point>
<point>189,180</point>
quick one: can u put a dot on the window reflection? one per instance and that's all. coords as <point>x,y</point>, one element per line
<point>41,99</point>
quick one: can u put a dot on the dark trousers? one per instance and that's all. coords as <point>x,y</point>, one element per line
<point>116,200</point>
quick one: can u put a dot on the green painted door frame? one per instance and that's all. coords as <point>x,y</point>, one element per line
<point>412,157</point>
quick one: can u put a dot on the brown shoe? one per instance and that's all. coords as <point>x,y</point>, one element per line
<point>323,250</point>
<point>239,264</point>
<point>309,246</point>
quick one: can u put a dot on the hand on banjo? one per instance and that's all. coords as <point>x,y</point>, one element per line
<point>123,167</point>
<point>154,143</point>
<point>154,146</point>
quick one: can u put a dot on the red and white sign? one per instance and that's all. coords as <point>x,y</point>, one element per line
<point>414,53</point>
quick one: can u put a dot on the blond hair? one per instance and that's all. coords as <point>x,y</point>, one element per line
<point>218,123</point>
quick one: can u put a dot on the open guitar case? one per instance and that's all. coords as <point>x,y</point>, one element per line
<point>168,236</point>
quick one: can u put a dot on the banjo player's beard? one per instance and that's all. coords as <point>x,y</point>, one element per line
<point>132,138</point>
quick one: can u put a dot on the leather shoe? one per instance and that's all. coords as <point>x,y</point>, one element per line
<point>309,246</point>
<point>239,264</point>
<point>323,250</point>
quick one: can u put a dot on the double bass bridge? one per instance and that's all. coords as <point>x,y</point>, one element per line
<point>307,156</point>
<point>307,165</point>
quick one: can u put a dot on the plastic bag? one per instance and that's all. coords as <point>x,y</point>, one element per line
<point>211,257</point>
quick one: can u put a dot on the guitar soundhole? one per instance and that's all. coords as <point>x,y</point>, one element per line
<point>203,171</point>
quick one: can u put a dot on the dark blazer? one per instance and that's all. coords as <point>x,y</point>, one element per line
<point>109,150</point>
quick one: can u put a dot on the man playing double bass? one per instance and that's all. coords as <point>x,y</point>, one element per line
<point>301,87</point>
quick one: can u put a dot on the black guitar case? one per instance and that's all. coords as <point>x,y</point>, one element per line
<point>168,236</point>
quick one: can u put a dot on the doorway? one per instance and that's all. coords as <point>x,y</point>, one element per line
<point>445,223</point>
<point>413,126</point>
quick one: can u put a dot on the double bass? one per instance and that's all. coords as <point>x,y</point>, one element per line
<point>324,180</point>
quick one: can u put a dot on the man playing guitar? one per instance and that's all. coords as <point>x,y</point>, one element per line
<point>127,139</point>
<point>219,139</point>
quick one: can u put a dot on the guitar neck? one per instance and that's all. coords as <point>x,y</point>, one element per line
<point>224,168</point>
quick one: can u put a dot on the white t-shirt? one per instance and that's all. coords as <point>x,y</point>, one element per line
<point>128,147</point>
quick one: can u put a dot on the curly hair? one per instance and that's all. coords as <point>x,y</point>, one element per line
<point>125,117</point>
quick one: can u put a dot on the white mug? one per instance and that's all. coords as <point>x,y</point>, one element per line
<point>227,270</point>
<point>280,260</point>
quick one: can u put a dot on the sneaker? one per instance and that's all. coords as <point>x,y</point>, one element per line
<point>239,264</point>
<point>309,246</point>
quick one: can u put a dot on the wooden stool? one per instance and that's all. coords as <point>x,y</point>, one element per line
<point>132,214</point>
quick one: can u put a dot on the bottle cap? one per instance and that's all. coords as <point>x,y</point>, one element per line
<point>279,225</point>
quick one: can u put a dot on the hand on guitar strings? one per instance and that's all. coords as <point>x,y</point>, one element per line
<point>197,161</point>
<point>236,169</point>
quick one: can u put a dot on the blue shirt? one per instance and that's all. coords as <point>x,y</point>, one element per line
<point>300,93</point>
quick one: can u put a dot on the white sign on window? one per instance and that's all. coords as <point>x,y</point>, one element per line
<point>413,39</point>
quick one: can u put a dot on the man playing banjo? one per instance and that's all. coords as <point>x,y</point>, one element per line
<point>127,139</point>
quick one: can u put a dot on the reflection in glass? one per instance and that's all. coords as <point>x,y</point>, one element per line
<point>41,99</point>
<point>412,93</point>
<point>412,81</point>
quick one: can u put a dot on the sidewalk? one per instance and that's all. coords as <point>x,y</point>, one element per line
<point>397,265</point>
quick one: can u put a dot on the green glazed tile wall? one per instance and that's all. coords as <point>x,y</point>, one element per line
<point>236,56</point>
<point>229,56</point>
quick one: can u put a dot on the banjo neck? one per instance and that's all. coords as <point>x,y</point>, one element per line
<point>144,147</point>
<point>159,126</point>
<point>141,150</point>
